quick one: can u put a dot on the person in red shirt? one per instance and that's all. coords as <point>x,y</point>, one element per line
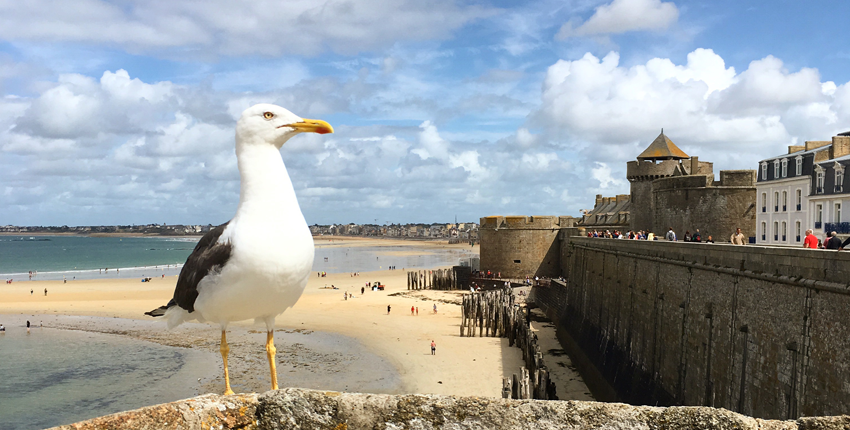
<point>811,241</point>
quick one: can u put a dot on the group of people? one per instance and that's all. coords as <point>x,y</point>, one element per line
<point>832,241</point>
<point>737,238</point>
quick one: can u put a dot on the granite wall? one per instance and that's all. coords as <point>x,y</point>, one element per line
<point>520,246</point>
<point>758,330</point>
<point>294,408</point>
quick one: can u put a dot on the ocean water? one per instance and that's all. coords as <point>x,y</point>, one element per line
<point>51,377</point>
<point>81,257</point>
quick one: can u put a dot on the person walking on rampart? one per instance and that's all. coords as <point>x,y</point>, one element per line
<point>833,242</point>
<point>811,241</point>
<point>671,235</point>
<point>737,237</point>
<point>696,237</point>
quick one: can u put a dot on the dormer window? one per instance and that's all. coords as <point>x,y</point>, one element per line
<point>775,169</point>
<point>764,170</point>
<point>799,160</point>
<point>784,167</point>
<point>839,178</point>
<point>819,175</point>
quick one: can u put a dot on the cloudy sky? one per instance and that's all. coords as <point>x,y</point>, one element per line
<point>122,112</point>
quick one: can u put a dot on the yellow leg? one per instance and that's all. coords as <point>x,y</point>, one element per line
<point>225,349</point>
<point>270,352</point>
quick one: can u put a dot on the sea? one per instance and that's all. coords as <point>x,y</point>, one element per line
<point>51,376</point>
<point>47,258</point>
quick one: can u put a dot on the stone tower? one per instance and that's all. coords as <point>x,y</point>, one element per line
<point>661,159</point>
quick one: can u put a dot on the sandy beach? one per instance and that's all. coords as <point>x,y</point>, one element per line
<point>400,341</point>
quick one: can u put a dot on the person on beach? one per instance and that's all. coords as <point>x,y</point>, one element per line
<point>2,329</point>
<point>45,292</point>
<point>417,311</point>
<point>362,290</point>
<point>388,309</point>
<point>433,347</point>
<point>28,326</point>
<point>411,310</point>
<point>31,291</point>
<point>435,308</point>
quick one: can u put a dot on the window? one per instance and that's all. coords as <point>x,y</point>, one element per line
<point>819,181</point>
<point>763,231</point>
<point>797,227</point>
<point>839,178</point>
<point>764,202</point>
<point>776,201</point>
<point>818,215</point>
<point>837,213</point>
<point>764,171</point>
<point>776,231</point>
<point>784,167</point>
<point>784,201</point>
<point>784,231</point>
<point>799,199</point>
<point>799,160</point>
<point>775,169</point>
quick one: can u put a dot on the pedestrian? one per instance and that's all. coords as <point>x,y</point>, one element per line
<point>709,240</point>
<point>362,290</point>
<point>737,237</point>
<point>346,295</point>
<point>45,292</point>
<point>417,311</point>
<point>696,237</point>
<point>28,326</point>
<point>833,242</point>
<point>687,235</point>
<point>435,308</point>
<point>411,310</point>
<point>811,241</point>
<point>388,309</point>
<point>31,291</point>
<point>2,329</point>
<point>671,235</point>
<point>433,347</point>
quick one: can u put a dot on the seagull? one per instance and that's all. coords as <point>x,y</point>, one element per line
<point>256,265</point>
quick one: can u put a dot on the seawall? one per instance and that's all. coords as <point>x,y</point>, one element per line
<point>295,408</point>
<point>757,330</point>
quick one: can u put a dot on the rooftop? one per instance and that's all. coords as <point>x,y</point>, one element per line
<point>662,148</point>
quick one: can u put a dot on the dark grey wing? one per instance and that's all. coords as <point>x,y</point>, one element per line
<point>208,256</point>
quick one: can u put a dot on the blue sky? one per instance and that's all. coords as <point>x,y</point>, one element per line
<point>122,112</point>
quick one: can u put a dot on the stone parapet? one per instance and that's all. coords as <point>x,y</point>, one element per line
<point>295,408</point>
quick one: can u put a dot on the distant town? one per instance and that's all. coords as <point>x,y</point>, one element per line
<point>460,232</point>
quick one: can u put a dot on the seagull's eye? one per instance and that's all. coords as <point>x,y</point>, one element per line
<point>268,115</point>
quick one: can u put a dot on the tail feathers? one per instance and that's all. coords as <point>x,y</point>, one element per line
<point>158,312</point>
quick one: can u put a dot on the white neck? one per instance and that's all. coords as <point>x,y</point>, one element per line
<point>266,194</point>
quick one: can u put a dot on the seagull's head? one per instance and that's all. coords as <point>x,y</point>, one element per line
<point>270,124</point>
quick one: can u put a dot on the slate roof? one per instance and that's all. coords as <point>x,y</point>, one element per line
<point>662,148</point>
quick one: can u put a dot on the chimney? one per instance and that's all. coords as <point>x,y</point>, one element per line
<point>795,148</point>
<point>840,146</point>
<point>694,165</point>
<point>598,200</point>
<point>812,144</point>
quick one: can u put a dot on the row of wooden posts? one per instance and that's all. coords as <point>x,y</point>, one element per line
<point>496,314</point>
<point>439,279</point>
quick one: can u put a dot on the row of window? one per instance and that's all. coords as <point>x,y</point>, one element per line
<point>820,175</point>
<point>797,224</point>
<point>780,168</point>
<point>782,203</point>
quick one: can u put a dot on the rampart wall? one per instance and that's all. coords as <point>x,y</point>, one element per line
<point>757,330</point>
<point>519,246</point>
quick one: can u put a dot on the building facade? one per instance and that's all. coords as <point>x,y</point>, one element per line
<point>803,189</point>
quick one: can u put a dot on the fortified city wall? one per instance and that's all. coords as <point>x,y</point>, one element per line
<point>520,246</point>
<point>758,330</point>
<point>717,208</point>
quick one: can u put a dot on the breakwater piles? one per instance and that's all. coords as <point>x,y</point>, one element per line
<point>295,408</point>
<point>497,314</point>
<point>439,279</point>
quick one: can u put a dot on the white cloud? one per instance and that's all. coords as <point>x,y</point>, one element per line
<point>621,16</point>
<point>262,27</point>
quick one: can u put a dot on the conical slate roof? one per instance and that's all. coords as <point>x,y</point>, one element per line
<point>662,148</point>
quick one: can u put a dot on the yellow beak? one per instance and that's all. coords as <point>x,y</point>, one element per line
<point>312,126</point>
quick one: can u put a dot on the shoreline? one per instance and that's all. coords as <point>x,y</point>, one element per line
<point>462,366</point>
